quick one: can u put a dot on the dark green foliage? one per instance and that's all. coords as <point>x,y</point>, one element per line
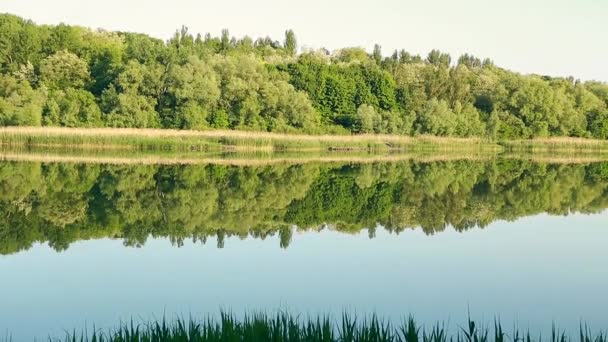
<point>338,91</point>
<point>56,75</point>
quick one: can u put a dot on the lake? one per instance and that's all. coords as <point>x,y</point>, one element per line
<point>85,244</point>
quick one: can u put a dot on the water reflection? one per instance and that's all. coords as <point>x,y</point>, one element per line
<point>60,203</point>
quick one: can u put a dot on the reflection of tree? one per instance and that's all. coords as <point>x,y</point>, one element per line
<point>63,203</point>
<point>285,236</point>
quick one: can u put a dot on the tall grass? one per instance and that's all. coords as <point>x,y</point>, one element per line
<point>211,140</point>
<point>167,139</point>
<point>260,157</point>
<point>285,327</point>
<point>251,158</point>
<point>559,144</point>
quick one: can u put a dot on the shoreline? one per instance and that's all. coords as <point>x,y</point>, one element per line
<point>264,158</point>
<point>251,141</point>
<point>224,140</point>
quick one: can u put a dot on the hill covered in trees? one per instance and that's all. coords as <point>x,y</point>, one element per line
<point>76,77</point>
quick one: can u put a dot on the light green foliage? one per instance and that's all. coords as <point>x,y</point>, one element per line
<point>512,127</point>
<point>252,96</point>
<point>468,121</point>
<point>141,79</point>
<point>350,55</point>
<point>27,73</point>
<point>462,81</point>
<point>71,108</point>
<point>531,101</point>
<point>20,105</point>
<point>64,70</point>
<point>194,90</point>
<point>411,92</point>
<point>20,42</point>
<point>198,82</point>
<point>131,101</point>
<point>493,125</point>
<point>129,110</point>
<point>437,118</point>
<point>284,106</point>
<point>598,89</point>
<point>219,119</point>
<point>366,116</point>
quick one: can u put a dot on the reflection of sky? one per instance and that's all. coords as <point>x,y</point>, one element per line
<point>537,270</point>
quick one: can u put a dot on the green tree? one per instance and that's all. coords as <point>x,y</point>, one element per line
<point>439,58</point>
<point>64,70</point>
<point>71,74</point>
<point>377,54</point>
<point>349,55</point>
<point>129,110</point>
<point>437,119</point>
<point>470,61</point>
<point>225,41</point>
<point>20,105</point>
<point>193,90</point>
<point>71,108</point>
<point>20,42</point>
<point>290,44</point>
<point>366,115</point>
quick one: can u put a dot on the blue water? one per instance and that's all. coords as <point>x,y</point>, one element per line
<point>534,271</point>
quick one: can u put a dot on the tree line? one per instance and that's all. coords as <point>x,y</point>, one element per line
<point>61,203</point>
<point>76,77</point>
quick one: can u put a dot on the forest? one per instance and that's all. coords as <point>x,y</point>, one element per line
<point>60,203</point>
<point>72,76</point>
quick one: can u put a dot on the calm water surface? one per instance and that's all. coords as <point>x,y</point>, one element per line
<point>83,244</point>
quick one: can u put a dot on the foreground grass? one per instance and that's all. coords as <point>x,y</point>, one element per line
<point>285,327</point>
<point>167,139</point>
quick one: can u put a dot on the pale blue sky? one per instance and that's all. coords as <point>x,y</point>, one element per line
<point>554,37</point>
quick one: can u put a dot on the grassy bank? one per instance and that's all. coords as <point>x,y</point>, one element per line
<point>230,140</point>
<point>285,327</point>
<point>556,144</point>
<point>166,139</point>
<point>236,159</point>
<point>247,141</point>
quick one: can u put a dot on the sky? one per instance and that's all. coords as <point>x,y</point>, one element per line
<point>550,37</point>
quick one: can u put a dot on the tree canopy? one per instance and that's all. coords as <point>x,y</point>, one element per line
<point>72,76</point>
